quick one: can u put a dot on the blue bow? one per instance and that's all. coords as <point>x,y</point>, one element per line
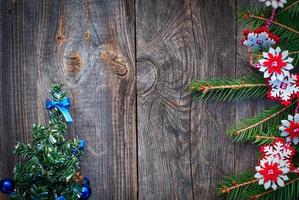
<point>62,105</point>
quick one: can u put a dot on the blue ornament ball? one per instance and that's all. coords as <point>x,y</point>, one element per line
<point>85,192</point>
<point>61,198</point>
<point>86,181</point>
<point>7,185</point>
<point>75,151</point>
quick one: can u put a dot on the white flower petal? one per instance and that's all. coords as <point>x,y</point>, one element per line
<point>258,168</point>
<point>296,140</point>
<point>289,60</point>
<point>286,123</point>
<point>272,51</point>
<point>290,117</point>
<point>261,61</point>
<point>284,134</point>
<point>285,54</point>
<point>268,3</point>
<point>280,182</point>
<point>277,50</point>
<point>282,128</point>
<point>289,67</point>
<point>284,177</point>
<point>263,68</point>
<point>285,170</point>
<point>265,55</point>
<point>280,4</point>
<point>267,185</point>
<point>281,76</point>
<point>274,186</point>
<point>258,176</point>
<point>267,75</point>
<point>274,4</point>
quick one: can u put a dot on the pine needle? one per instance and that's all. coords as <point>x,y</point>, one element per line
<point>248,129</point>
<point>224,89</point>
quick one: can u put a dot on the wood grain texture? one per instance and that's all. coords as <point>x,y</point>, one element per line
<point>165,51</point>
<point>5,155</point>
<point>19,75</point>
<point>245,159</point>
<point>62,41</point>
<point>212,152</point>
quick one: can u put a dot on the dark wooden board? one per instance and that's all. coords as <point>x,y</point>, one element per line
<point>212,151</point>
<point>126,65</point>
<point>165,50</point>
<point>88,45</point>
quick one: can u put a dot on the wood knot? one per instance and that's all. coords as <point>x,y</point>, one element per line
<point>60,35</point>
<point>86,35</point>
<point>117,65</point>
<point>74,63</point>
<point>146,77</point>
<point>60,39</point>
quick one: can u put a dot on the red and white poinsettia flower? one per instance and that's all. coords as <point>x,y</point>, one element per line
<point>271,172</point>
<point>276,64</point>
<point>274,3</point>
<point>290,129</point>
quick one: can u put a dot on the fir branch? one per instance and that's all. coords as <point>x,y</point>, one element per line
<point>289,191</point>
<point>221,89</point>
<point>292,9</point>
<point>248,129</point>
<point>286,26</point>
<point>293,52</point>
<point>244,186</point>
<point>274,22</point>
<point>268,136</point>
<point>262,140</point>
<point>235,187</point>
<point>227,190</point>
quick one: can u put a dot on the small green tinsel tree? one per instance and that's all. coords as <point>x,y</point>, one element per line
<point>51,165</point>
<point>263,128</point>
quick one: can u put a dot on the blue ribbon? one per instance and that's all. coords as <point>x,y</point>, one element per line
<point>62,105</point>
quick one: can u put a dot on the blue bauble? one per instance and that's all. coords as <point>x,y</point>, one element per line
<point>75,151</point>
<point>61,198</point>
<point>86,181</point>
<point>85,192</point>
<point>7,185</point>
<point>82,144</point>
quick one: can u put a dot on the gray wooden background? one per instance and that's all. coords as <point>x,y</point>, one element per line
<point>126,65</point>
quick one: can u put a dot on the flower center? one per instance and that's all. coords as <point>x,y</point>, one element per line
<point>283,86</point>
<point>274,64</point>
<point>270,172</point>
<point>293,129</point>
<point>259,42</point>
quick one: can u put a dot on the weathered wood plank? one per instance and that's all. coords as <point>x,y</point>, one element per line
<point>5,162</point>
<point>88,45</point>
<point>19,75</point>
<point>245,159</point>
<point>165,50</point>
<point>212,152</point>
